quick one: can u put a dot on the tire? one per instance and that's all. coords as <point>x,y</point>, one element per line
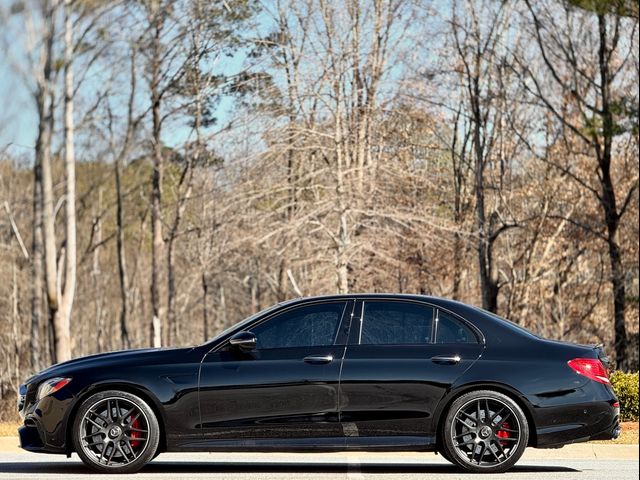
<point>440,448</point>
<point>484,432</point>
<point>115,432</point>
<point>442,451</point>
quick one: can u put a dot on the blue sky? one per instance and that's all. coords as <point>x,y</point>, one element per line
<point>18,115</point>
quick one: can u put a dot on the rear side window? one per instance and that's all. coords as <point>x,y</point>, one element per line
<point>452,330</point>
<point>396,323</point>
<point>310,326</point>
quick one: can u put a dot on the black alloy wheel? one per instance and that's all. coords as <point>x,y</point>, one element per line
<point>485,431</point>
<point>115,432</point>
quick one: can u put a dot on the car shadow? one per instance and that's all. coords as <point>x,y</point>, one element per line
<point>77,468</point>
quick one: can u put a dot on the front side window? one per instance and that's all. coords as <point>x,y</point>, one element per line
<point>310,326</point>
<point>395,323</point>
<point>452,330</point>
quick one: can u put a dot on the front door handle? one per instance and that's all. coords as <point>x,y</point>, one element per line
<point>446,359</point>
<point>318,359</point>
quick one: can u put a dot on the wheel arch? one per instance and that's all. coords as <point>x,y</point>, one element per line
<point>512,393</point>
<point>141,392</point>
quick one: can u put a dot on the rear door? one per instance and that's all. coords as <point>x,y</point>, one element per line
<point>402,357</point>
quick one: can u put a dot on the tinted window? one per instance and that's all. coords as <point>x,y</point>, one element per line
<point>452,330</point>
<point>394,323</point>
<point>314,325</point>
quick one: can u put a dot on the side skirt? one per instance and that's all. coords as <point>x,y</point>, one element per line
<point>321,444</point>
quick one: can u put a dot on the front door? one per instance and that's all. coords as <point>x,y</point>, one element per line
<point>284,391</point>
<point>397,368</point>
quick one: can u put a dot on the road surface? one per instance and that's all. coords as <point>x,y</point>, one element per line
<point>325,466</point>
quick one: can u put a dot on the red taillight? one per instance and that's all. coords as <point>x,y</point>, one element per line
<point>591,368</point>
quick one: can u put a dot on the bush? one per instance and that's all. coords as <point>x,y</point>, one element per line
<point>625,385</point>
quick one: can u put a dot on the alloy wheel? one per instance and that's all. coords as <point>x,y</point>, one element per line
<point>485,432</point>
<point>114,432</point>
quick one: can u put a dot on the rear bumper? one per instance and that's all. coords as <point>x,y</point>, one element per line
<point>585,422</point>
<point>610,433</point>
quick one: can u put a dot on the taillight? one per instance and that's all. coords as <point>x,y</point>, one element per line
<point>591,368</point>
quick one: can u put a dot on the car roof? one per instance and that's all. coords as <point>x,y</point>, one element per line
<point>439,301</point>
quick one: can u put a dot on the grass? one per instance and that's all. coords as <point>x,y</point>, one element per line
<point>629,433</point>
<point>9,429</point>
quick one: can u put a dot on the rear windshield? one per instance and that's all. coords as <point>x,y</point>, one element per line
<point>510,324</point>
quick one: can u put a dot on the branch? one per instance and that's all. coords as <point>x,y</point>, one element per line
<point>628,198</point>
<point>16,232</point>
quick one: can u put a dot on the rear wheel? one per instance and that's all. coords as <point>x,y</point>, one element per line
<point>485,431</point>
<point>115,432</point>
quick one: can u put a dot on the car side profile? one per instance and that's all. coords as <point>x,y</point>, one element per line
<point>344,372</point>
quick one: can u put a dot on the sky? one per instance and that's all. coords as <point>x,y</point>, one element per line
<point>18,119</point>
<point>18,115</point>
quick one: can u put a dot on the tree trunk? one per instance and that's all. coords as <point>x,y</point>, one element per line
<point>37,266</point>
<point>205,310</point>
<point>608,199</point>
<point>488,286</point>
<point>157,245</point>
<point>62,317</point>
<point>44,152</point>
<point>96,274</point>
<point>36,272</point>
<point>123,279</point>
<point>16,320</point>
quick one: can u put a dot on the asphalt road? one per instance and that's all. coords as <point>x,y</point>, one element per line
<point>308,466</point>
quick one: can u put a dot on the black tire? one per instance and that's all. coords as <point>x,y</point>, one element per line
<point>442,451</point>
<point>440,447</point>
<point>115,432</point>
<point>493,443</point>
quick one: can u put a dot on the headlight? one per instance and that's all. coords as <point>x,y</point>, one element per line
<point>51,386</point>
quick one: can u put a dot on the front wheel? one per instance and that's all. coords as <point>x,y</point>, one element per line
<point>115,432</point>
<point>485,431</point>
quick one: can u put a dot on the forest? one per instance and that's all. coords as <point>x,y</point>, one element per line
<point>188,163</point>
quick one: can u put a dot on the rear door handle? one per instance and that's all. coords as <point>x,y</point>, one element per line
<point>318,359</point>
<point>446,359</point>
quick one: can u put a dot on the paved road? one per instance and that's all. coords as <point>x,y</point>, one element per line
<point>306,466</point>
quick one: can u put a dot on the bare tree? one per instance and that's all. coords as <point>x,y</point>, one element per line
<point>61,279</point>
<point>481,54</point>
<point>584,55</point>
<point>44,103</point>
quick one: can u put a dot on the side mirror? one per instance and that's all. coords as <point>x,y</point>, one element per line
<point>245,341</point>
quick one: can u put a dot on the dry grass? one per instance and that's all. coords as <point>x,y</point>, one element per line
<point>8,429</point>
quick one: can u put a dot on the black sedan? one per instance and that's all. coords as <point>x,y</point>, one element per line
<point>349,372</point>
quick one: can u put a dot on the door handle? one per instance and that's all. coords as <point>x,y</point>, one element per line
<point>446,359</point>
<point>318,359</point>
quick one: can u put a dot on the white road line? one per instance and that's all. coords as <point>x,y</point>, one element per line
<point>353,469</point>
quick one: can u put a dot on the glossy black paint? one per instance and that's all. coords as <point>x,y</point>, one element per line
<point>219,397</point>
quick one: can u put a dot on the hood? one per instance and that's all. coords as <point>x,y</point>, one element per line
<point>139,356</point>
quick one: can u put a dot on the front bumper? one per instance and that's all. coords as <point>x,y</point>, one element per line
<point>31,440</point>
<point>44,427</point>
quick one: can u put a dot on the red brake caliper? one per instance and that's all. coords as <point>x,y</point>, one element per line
<point>503,434</point>
<point>135,434</point>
